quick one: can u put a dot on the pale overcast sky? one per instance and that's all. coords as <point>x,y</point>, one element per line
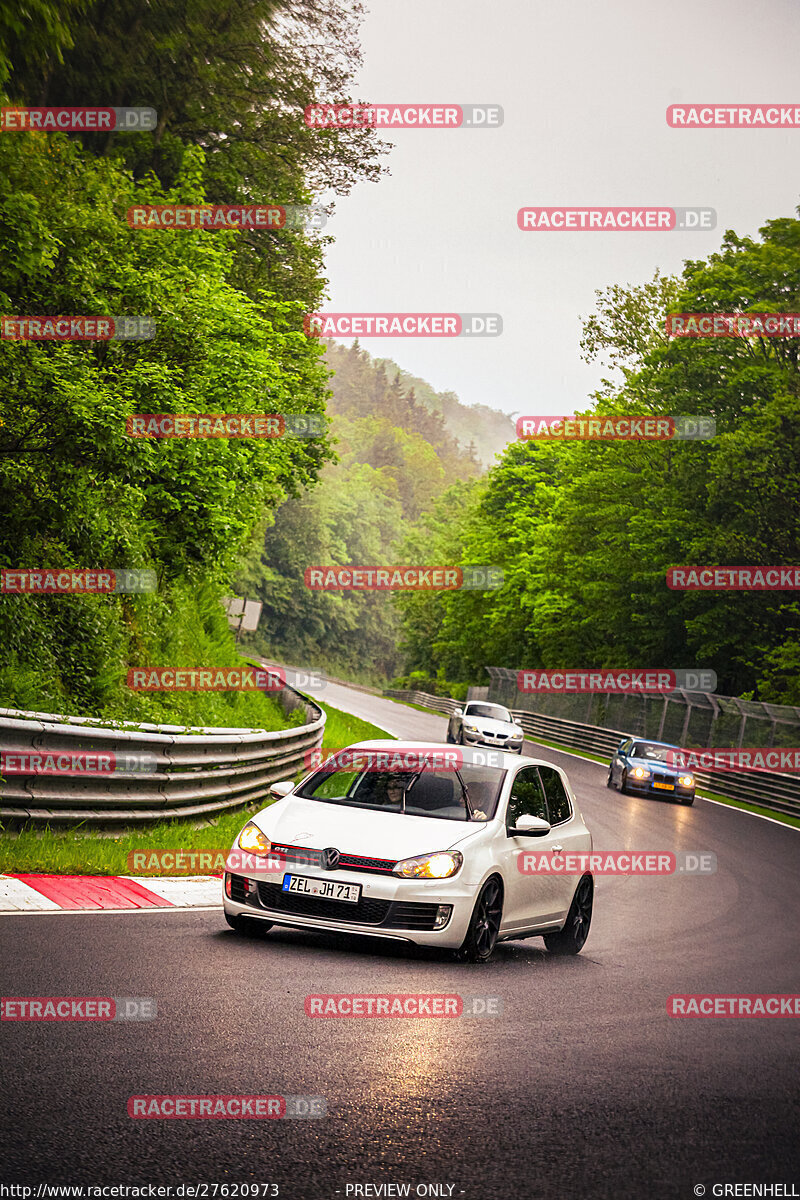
<point>585,86</point>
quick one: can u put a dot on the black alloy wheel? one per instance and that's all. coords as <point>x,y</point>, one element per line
<point>485,924</point>
<point>572,938</point>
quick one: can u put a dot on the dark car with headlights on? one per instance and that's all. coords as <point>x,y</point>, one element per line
<point>644,768</point>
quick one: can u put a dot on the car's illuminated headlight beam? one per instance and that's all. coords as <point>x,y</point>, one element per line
<point>440,865</point>
<point>251,838</point>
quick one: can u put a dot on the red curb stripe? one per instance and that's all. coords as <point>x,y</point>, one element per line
<point>94,891</point>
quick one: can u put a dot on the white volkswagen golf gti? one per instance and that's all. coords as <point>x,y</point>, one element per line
<point>418,843</point>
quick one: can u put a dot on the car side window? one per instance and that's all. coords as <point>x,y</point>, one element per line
<point>558,803</point>
<point>626,746</point>
<point>527,796</point>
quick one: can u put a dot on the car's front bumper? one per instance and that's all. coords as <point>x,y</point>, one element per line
<point>647,787</point>
<point>512,745</point>
<point>404,909</point>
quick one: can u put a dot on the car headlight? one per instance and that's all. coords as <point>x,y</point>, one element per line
<point>251,838</point>
<point>440,865</point>
<point>472,729</point>
<point>686,780</point>
<point>640,773</point>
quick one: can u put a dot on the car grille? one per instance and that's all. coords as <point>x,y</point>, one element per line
<point>298,855</point>
<point>660,777</point>
<point>389,914</point>
<point>366,912</point>
<point>356,862</point>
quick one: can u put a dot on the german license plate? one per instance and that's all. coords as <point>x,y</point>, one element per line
<point>668,787</point>
<point>326,889</point>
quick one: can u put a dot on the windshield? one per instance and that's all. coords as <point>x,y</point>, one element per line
<point>495,712</point>
<point>426,793</point>
<point>648,750</point>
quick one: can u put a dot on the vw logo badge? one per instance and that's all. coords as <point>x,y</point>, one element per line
<point>330,858</point>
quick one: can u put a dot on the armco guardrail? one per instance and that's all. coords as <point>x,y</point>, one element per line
<point>198,771</point>
<point>442,704</point>
<point>778,793</point>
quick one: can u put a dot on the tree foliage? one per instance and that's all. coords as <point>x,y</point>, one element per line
<point>586,531</point>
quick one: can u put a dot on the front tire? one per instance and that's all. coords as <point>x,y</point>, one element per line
<point>572,938</point>
<point>484,925</point>
<point>623,779</point>
<point>248,926</point>
<point>687,799</point>
<point>610,779</point>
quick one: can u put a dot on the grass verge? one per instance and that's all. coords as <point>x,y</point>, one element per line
<point>82,851</point>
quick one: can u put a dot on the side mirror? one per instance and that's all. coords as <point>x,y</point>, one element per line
<point>458,712</point>
<point>528,826</point>
<point>279,790</point>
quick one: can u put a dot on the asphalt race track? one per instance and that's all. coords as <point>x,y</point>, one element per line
<point>582,1086</point>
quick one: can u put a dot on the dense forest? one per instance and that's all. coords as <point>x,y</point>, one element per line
<point>227,82</point>
<point>396,455</point>
<point>585,531</point>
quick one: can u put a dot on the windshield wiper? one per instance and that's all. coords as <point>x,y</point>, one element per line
<point>467,800</point>
<point>407,790</point>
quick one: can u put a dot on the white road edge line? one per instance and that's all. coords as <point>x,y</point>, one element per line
<point>101,912</point>
<point>747,812</point>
